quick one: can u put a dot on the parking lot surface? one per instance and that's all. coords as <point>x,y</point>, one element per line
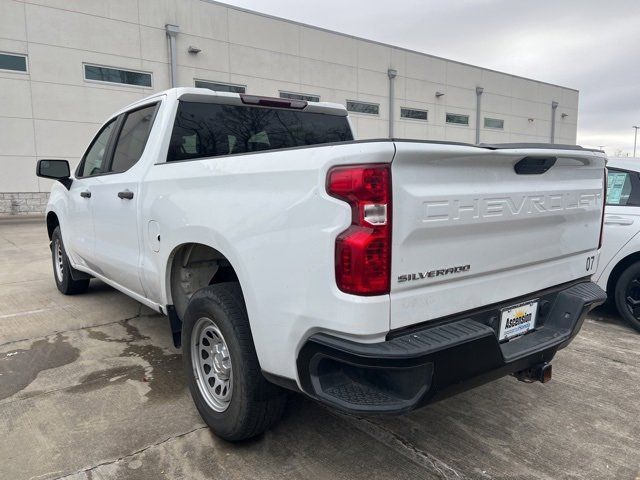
<point>92,388</point>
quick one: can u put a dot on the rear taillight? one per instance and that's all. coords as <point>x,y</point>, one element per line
<point>363,251</point>
<point>604,202</point>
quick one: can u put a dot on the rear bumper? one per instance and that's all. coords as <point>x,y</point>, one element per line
<point>423,365</point>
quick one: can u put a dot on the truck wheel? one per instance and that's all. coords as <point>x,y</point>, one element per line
<point>62,268</point>
<point>627,295</point>
<point>222,368</point>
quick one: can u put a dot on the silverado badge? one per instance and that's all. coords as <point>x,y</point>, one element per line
<point>433,273</point>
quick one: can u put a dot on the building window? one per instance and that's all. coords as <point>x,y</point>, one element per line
<point>493,123</point>
<point>220,87</point>
<point>117,75</point>
<point>363,107</point>
<point>300,96</point>
<point>13,62</point>
<point>414,114</point>
<point>457,119</point>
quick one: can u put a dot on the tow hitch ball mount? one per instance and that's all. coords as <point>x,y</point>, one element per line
<point>538,373</point>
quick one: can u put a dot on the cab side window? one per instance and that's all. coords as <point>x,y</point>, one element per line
<point>620,189</point>
<point>95,160</point>
<point>133,138</point>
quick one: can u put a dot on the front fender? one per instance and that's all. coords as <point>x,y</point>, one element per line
<point>58,205</point>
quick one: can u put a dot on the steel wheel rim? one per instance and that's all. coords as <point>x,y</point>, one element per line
<point>212,366</point>
<point>58,260</point>
<point>632,298</point>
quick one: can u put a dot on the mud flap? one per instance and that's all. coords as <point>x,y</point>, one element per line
<point>176,326</point>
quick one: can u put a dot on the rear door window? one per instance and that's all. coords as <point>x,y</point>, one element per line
<point>209,130</point>
<point>620,189</point>
<point>133,138</point>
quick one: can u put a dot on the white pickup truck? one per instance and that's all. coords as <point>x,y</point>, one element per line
<point>375,276</point>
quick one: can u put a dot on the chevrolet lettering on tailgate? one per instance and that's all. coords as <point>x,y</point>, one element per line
<point>476,208</point>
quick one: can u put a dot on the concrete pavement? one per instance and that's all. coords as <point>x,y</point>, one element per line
<point>91,388</point>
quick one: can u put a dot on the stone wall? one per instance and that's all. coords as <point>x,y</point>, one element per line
<point>20,203</point>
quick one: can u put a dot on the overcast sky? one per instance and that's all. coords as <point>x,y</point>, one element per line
<point>590,45</point>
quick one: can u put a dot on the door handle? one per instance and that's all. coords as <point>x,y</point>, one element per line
<point>615,220</point>
<point>85,194</point>
<point>126,194</point>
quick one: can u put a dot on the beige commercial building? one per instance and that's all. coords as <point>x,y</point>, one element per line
<point>66,65</point>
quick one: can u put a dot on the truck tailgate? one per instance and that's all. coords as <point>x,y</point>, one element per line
<point>469,231</point>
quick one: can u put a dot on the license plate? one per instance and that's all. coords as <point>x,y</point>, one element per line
<point>518,320</point>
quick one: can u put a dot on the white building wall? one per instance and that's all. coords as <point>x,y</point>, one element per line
<point>52,111</point>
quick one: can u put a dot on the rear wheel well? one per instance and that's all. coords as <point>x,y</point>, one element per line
<point>617,271</point>
<point>194,266</point>
<point>52,223</point>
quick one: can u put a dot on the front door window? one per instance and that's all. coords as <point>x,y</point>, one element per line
<point>95,160</point>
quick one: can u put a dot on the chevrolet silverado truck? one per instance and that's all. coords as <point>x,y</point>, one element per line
<point>374,276</point>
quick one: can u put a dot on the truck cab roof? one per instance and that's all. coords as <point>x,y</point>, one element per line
<point>205,95</point>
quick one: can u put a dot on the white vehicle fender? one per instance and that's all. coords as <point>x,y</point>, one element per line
<point>58,205</point>
<point>630,248</point>
<point>176,238</point>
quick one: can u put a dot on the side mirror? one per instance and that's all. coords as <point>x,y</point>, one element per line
<point>56,170</point>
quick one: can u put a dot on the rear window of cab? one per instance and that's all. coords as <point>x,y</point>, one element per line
<point>208,130</point>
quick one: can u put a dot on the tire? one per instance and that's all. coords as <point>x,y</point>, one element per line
<point>628,286</point>
<point>62,269</point>
<point>245,404</point>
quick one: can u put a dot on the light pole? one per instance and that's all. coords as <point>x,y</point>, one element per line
<point>635,141</point>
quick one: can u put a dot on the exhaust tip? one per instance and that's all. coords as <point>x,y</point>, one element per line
<point>538,373</point>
